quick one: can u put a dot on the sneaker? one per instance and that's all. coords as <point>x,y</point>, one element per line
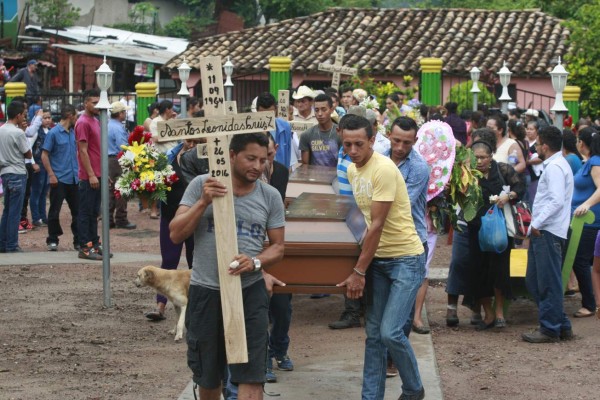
<point>417,396</point>
<point>570,293</point>
<point>22,229</point>
<point>98,249</point>
<point>270,375</point>
<point>52,246</point>
<point>346,321</point>
<point>39,223</point>
<point>390,370</point>
<point>127,225</point>
<point>566,334</point>
<point>538,337</point>
<point>89,253</point>
<point>476,319</point>
<point>284,363</point>
<point>26,225</point>
<point>451,317</point>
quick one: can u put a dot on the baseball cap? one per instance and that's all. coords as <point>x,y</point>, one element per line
<point>117,107</point>
<point>30,62</point>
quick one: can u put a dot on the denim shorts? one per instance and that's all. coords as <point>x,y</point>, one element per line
<point>206,341</point>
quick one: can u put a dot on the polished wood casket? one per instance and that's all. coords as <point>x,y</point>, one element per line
<point>311,179</point>
<point>322,236</point>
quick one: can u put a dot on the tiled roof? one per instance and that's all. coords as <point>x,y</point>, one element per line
<point>391,41</point>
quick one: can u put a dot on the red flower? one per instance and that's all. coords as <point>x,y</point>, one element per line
<point>135,185</point>
<point>138,135</point>
<point>117,194</point>
<point>150,187</point>
<point>120,155</point>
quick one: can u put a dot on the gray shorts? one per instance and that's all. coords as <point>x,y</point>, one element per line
<point>206,341</point>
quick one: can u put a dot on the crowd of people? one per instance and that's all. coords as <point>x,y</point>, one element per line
<point>377,162</point>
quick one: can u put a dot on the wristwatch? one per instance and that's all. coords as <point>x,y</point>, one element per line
<point>257,265</point>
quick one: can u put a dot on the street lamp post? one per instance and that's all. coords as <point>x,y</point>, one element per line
<point>475,90</point>
<point>559,81</point>
<point>228,68</point>
<point>184,75</point>
<point>104,77</point>
<point>504,98</point>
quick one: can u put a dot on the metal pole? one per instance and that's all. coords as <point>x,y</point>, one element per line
<point>183,112</point>
<point>228,92</point>
<point>559,120</point>
<point>475,101</point>
<point>105,217</point>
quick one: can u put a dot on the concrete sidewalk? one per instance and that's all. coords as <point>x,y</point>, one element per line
<point>70,257</point>
<point>339,376</point>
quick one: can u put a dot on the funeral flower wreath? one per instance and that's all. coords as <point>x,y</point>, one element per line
<point>145,171</point>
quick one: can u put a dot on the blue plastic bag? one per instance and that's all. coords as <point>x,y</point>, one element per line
<point>492,235</point>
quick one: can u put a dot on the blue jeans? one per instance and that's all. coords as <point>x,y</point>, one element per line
<point>393,285</point>
<point>280,313</point>
<point>39,191</point>
<point>87,219</point>
<point>14,193</point>
<point>544,282</point>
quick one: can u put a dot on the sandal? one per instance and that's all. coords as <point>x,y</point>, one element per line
<point>500,323</point>
<point>154,216</point>
<point>421,330</point>
<point>583,313</point>
<point>155,315</point>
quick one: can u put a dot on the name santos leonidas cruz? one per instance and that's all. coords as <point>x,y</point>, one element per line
<point>208,126</point>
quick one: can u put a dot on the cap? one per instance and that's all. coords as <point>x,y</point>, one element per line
<point>302,92</point>
<point>533,113</point>
<point>117,107</point>
<point>30,62</point>
<point>357,110</point>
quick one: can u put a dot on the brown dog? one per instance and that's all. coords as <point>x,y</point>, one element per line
<point>173,284</point>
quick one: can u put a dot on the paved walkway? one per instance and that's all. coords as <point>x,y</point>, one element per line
<point>332,376</point>
<point>339,376</point>
<point>70,257</point>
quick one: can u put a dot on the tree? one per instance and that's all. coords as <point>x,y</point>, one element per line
<point>583,62</point>
<point>56,14</point>
<point>461,94</point>
<point>143,18</point>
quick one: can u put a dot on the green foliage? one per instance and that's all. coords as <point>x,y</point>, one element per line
<point>181,26</point>
<point>55,13</point>
<point>143,18</point>
<point>583,63</point>
<point>286,9</point>
<point>461,94</point>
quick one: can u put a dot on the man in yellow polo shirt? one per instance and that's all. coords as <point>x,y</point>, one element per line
<point>391,262</point>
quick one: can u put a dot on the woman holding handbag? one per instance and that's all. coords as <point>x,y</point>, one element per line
<point>491,271</point>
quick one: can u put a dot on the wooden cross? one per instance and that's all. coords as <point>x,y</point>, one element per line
<point>219,123</point>
<point>337,68</point>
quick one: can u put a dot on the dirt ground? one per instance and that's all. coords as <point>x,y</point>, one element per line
<point>58,342</point>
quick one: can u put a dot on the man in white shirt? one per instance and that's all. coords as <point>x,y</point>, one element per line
<point>129,104</point>
<point>303,105</point>
<point>548,231</point>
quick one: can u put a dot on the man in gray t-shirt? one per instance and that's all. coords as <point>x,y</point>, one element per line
<point>320,144</point>
<point>259,215</point>
<point>14,148</point>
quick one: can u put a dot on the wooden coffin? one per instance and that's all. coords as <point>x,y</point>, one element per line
<point>311,179</point>
<point>322,236</point>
